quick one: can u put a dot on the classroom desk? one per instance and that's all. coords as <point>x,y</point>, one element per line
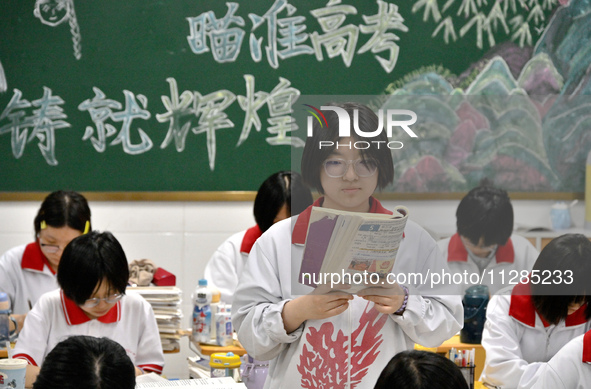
<point>454,341</point>
<point>208,349</point>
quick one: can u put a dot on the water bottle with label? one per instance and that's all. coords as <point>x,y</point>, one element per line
<point>224,326</point>
<point>202,313</point>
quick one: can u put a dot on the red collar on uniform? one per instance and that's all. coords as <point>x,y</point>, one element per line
<point>522,309</point>
<point>74,315</point>
<point>587,347</point>
<point>251,236</point>
<point>456,252</point>
<point>301,226</point>
<point>34,259</point>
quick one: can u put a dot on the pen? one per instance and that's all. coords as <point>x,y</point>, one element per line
<point>30,305</point>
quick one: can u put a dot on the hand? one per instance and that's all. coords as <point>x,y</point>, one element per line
<point>313,306</point>
<point>387,299</point>
<point>138,371</point>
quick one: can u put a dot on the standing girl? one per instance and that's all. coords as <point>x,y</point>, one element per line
<point>338,340</point>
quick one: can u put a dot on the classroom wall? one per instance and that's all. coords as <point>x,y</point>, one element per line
<point>181,236</point>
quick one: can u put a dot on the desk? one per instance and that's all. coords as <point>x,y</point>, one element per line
<point>204,349</point>
<point>455,342</point>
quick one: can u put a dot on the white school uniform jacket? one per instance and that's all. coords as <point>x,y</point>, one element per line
<point>25,275</point>
<point>570,368</point>
<point>518,342</point>
<point>352,347</point>
<point>130,323</point>
<point>226,264</point>
<point>517,254</point>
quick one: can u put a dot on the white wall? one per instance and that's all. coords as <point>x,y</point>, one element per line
<point>181,236</point>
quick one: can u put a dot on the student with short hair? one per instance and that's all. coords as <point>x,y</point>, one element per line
<point>28,271</point>
<point>281,195</point>
<point>484,243</point>
<point>337,339</point>
<point>543,313</point>
<point>92,275</point>
<point>86,362</point>
<point>418,369</point>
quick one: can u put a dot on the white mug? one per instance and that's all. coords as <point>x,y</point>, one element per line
<point>12,373</point>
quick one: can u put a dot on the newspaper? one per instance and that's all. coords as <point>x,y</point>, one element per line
<point>349,243</point>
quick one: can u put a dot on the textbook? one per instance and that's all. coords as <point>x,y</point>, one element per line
<point>347,247</point>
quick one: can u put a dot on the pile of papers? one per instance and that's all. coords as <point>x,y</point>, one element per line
<point>166,303</point>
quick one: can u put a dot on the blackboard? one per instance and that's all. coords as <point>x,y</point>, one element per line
<point>115,68</point>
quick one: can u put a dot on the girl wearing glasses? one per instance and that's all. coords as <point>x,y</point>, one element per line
<point>337,339</point>
<point>28,271</point>
<point>92,275</point>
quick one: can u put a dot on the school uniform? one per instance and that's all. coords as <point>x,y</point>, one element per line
<point>518,254</point>
<point>518,341</point>
<point>226,264</point>
<point>25,275</point>
<point>570,368</point>
<point>348,349</point>
<point>130,323</point>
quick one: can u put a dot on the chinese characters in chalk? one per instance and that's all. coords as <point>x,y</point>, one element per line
<point>116,123</point>
<point>287,34</point>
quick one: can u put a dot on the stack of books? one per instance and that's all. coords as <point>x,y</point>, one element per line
<point>166,303</point>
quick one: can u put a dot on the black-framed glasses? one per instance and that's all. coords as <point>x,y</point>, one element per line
<point>50,248</point>
<point>112,299</point>
<point>337,167</point>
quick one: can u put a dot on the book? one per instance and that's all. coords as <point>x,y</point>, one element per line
<point>350,246</point>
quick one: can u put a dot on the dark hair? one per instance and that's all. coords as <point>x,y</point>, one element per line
<point>313,156</point>
<point>87,261</point>
<point>63,208</point>
<point>86,362</point>
<point>417,369</point>
<point>281,188</point>
<point>485,212</point>
<point>569,253</point>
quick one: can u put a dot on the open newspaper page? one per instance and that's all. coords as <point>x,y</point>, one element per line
<point>356,249</point>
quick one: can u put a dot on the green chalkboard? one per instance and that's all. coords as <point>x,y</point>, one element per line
<point>92,88</point>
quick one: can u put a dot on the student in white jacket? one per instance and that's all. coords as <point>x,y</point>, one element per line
<point>524,330</point>
<point>339,340</point>
<point>280,196</point>
<point>93,276</point>
<point>570,368</point>
<point>29,270</point>
<point>484,243</point>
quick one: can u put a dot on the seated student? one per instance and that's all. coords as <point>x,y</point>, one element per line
<point>417,369</point>
<point>484,240</point>
<point>86,362</point>
<point>570,368</point>
<point>316,340</point>
<point>280,196</point>
<point>27,271</point>
<point>93,275</point>
<point>542,314</point>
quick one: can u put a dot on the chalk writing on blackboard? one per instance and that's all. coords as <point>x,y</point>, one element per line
<point>47,117</point>
<point>100,109</point>
<point>185,111</point>
<point>514,18</point>
<point>286,36</point>
<point>55,12</point>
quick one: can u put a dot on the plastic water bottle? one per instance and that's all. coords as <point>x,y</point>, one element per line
<point>215,309</point>
<point>202,313</point>
<point>4,318</point>
<point>224,326</point>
